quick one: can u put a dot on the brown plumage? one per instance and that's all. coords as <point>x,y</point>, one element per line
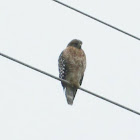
<point>72,64</point>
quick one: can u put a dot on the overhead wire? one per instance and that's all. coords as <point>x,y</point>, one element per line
<point>98,20</point>
<point>64,81</point>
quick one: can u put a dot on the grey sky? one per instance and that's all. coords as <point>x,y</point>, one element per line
<point>33,106</point>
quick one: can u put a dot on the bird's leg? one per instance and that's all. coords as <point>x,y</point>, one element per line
<point>75,85</point>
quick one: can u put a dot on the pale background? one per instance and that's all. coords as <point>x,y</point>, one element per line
<point>33,106</point>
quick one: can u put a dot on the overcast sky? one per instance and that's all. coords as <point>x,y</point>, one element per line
<point>33,106</point>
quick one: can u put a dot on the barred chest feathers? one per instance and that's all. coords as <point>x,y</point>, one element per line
<point>76,61</point>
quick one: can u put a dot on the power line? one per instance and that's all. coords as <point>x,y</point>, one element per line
<point>52,76</point>
<point>109,25</point>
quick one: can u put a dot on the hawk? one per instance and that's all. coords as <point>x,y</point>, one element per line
<point>72,65</point>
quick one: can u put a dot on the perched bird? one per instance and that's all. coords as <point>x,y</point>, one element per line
<point>72,65</point>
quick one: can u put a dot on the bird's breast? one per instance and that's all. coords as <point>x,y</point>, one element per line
<point>76,64</point>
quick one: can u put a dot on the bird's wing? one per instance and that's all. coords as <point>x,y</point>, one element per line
<point>62,64</point>
<point>81,80</point>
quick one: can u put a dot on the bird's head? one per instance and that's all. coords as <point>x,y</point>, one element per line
<point>75,43</point>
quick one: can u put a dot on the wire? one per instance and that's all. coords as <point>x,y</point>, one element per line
<point>115,103</point>
<point>36,69</point>
<point>52,76</point>
<point>109,25</point>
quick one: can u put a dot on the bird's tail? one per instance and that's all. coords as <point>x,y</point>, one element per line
<point>70,94</point>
